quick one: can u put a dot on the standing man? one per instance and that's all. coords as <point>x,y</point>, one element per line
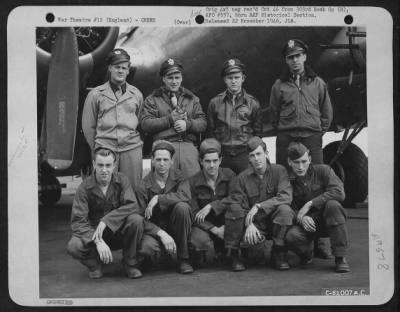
<point>105,216</point>
<point>300,104</point>
<point>163,197</point>
<point>234,116</point>
<point>261,198</point>
<point>110,117</point>
<point>209,188</point>
<point>174,113</point>
<point>317,193</point>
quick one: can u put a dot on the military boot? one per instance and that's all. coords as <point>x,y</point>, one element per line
<point>279,258</point>
<point>237,263</point>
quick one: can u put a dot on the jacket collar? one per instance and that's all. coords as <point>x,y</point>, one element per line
<point>251,171</point>
<point>242,94</point>
<point>150,182</point>
<point>95,186</point>
<point>308,73</point>
<point>200,179</point>
<point>181,92</point>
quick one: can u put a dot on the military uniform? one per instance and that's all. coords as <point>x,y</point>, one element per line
<point>156,120</point>
<point>301,108</point>
<point>110,120</point>
<point>273,193</point>
<point>202,194</point>
<point>233,120</point>
<point>172,213</point>
<point>118,209</point>
<point>321,186</point>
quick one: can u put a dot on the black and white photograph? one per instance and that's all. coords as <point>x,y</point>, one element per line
<point>233,157</point>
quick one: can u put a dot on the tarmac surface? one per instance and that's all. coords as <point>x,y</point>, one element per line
<point>63,277</point>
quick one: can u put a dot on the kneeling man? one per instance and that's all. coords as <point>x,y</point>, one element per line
<point>317,193</point>
<point>209,189</point>
<point>261,197</point>
<point>105,216</point>
<point>164,197</point>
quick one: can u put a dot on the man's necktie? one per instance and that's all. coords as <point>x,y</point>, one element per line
<point>118,93</point>
<point>298,80</point>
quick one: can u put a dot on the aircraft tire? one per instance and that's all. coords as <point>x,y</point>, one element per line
<point>352,168</point>
<point>50,192</point>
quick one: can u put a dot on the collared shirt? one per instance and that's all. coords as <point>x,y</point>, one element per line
<point>156,115</point>
<point>90,205</point>
<point>319,185</point>
<point>301,110</point>
<point>270,191</point>
<point>233,124</point>
<point>111,122</point>
<point>115,87</point>
<point>176,190</point>
<point>202,194</point>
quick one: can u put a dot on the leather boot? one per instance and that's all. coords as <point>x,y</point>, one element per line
<point>237,263</point>
<point>341,265</point>
<point>278,258</point>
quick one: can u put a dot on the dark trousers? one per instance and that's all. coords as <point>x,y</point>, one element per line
<point>313,143</point>
<point>274,225</point>
<point>330,221</point>
<point>202,240</point>
<point>127,238</point>
<point>237,163</point>
<point>177,222</point>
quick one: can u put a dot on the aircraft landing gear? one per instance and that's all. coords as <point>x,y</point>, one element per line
<point>351,166</point>
<point>49,186</point>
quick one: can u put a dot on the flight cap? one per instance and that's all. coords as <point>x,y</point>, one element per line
<point>255,142</point>
<point>163,145</point>
<point>296,150</point>
<point>210,145</point>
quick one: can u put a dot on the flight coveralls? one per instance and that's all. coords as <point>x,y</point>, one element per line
<point>112,122</point>
<point>156,120</point>
<point>300,114</point>
<point>201,238</point>
<point>118,209</point>
<point>233,123</point>
<point>172,213</point>
<point>325,190</point>
<point>274,195</point>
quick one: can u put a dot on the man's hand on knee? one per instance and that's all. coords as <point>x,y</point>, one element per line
<point>308,224</point>
<point>167,241</point>
<point>104,252</point>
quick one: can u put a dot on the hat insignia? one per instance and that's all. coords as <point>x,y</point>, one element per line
<point>291,44</point>
<point>171,62</point>
<point>117,52</point>
<point>231,62</point>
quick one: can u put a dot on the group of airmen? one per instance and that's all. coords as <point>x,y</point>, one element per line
<point>224,196</point>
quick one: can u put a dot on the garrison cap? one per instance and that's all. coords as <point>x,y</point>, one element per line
<point>296,150</point>
<point>163,145</point>
<point>294,46</point>
<point>210,145</point>
<point>255,142</point>
<point>232,66</point>
<point>170,66</point>
<point>117,56</point>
